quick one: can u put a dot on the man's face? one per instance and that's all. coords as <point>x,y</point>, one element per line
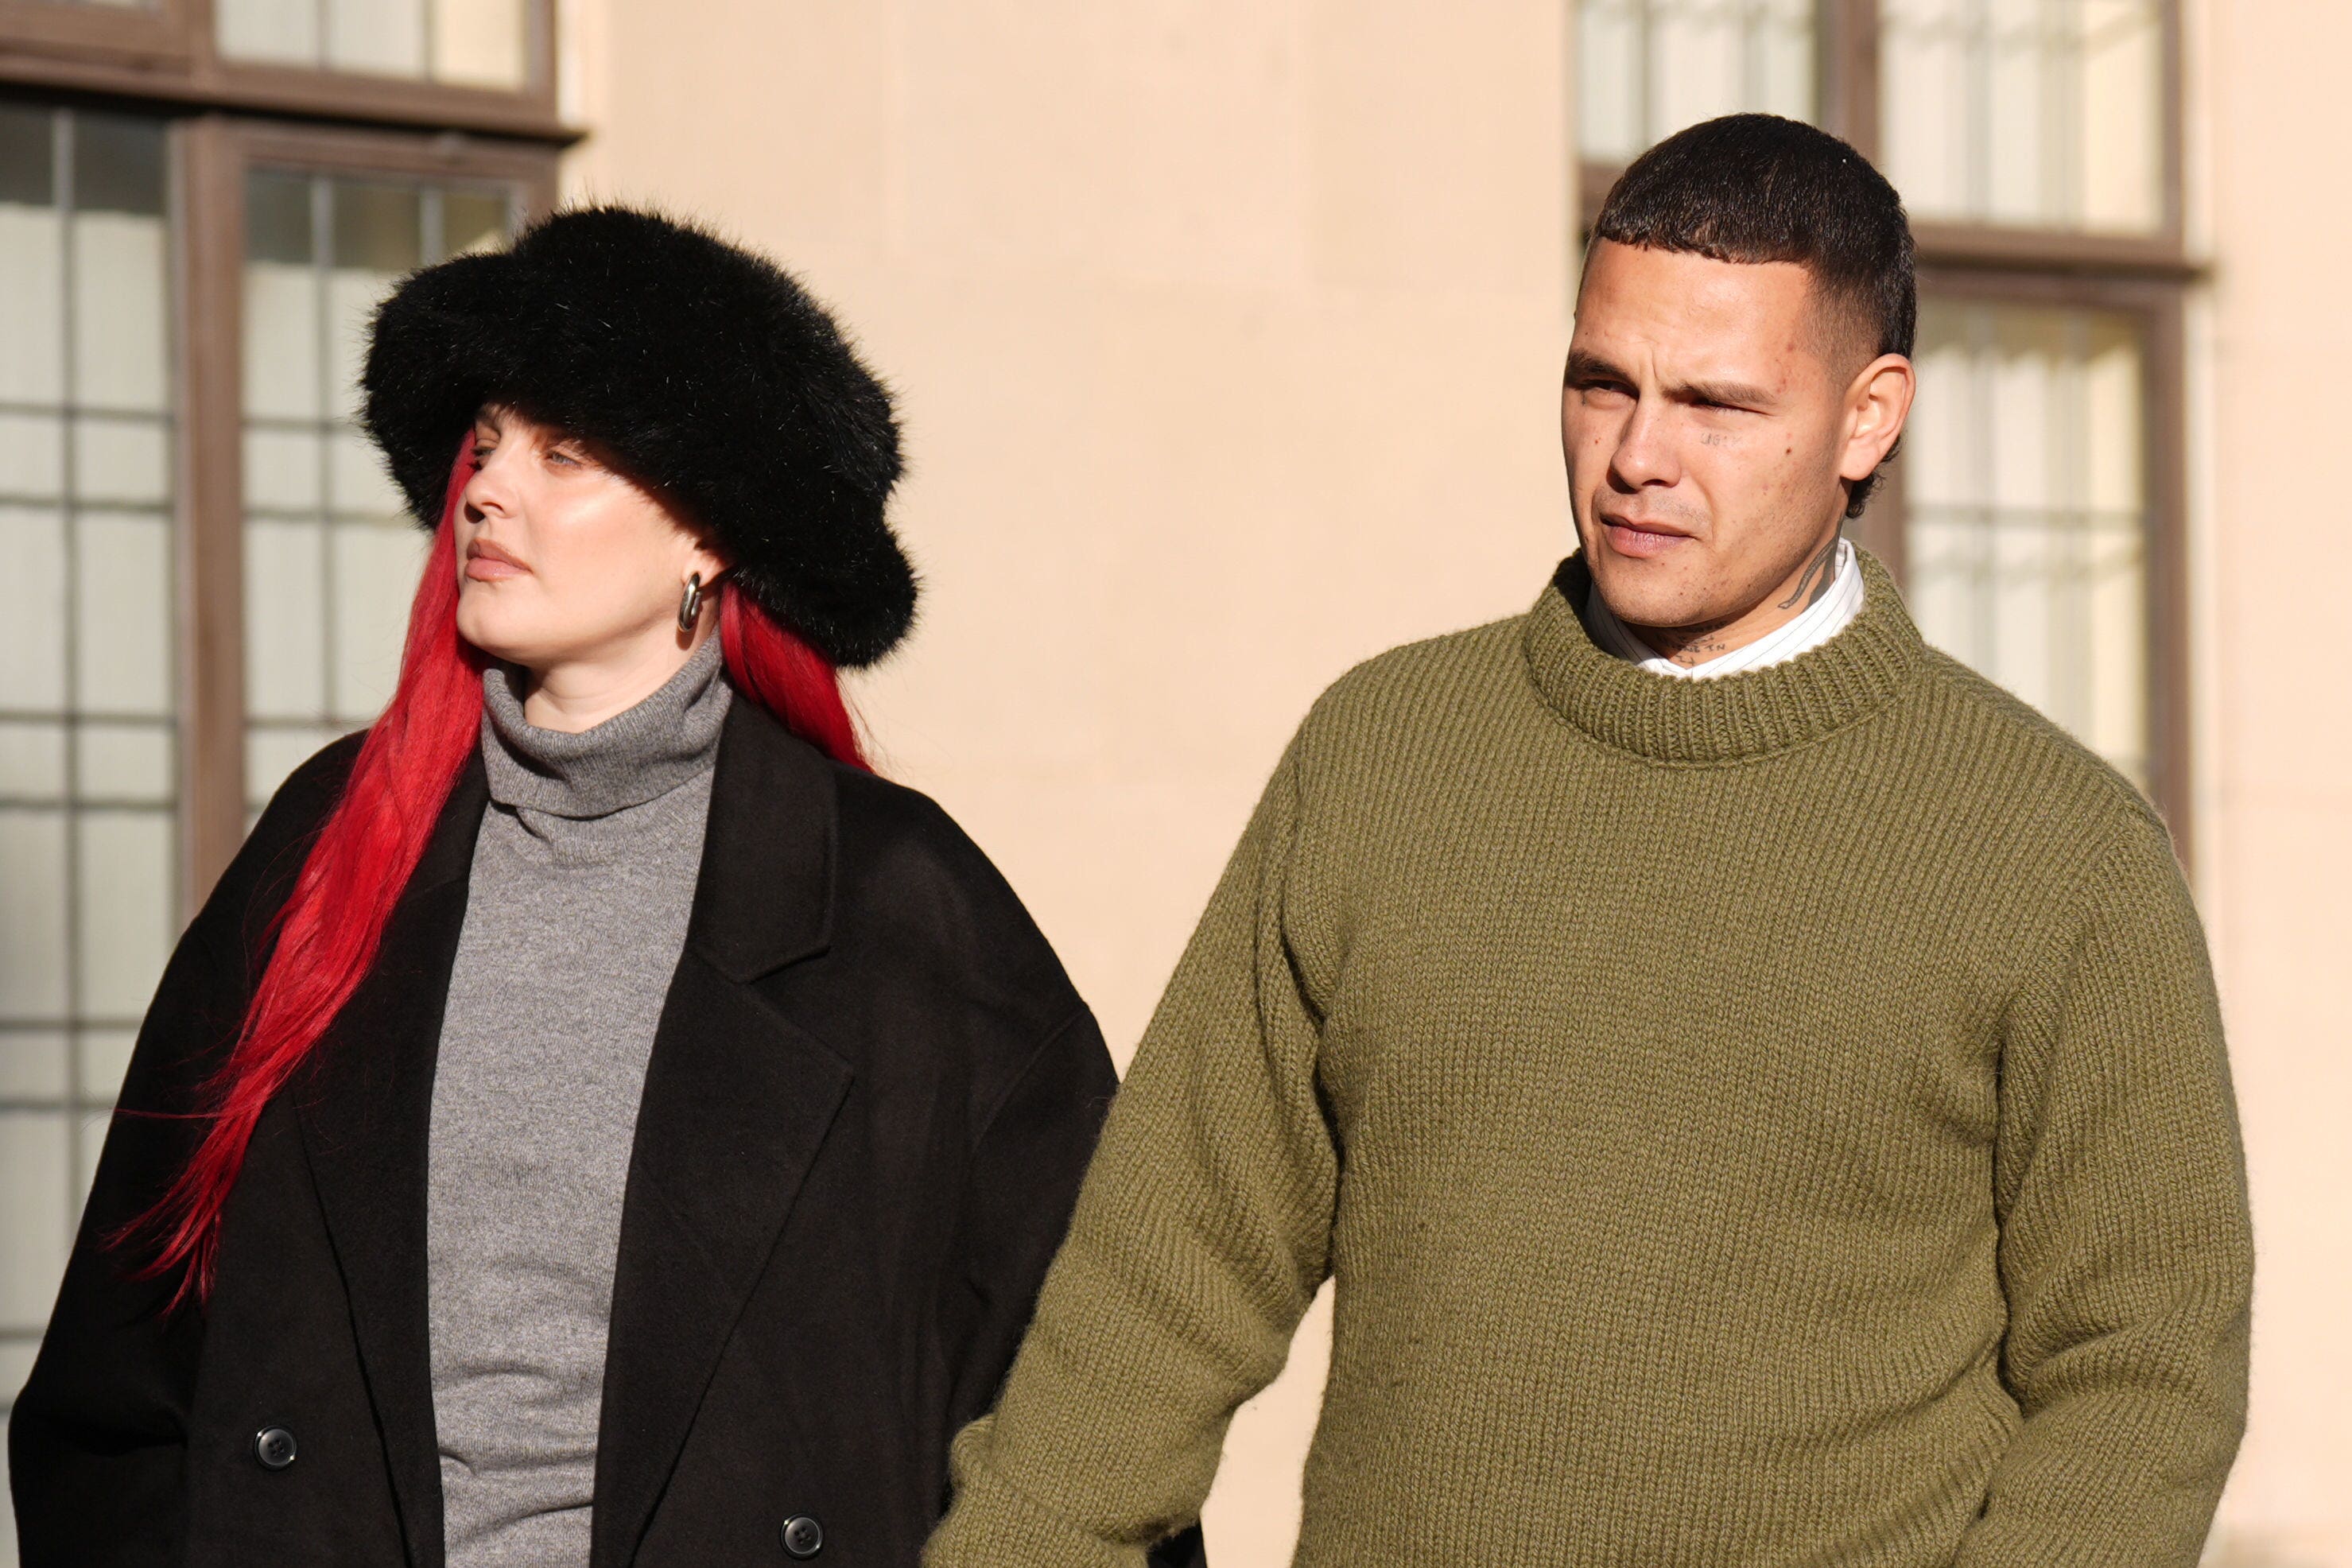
<point>1710,412</point>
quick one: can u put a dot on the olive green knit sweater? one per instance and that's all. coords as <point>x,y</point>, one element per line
<point>1768,1121</point>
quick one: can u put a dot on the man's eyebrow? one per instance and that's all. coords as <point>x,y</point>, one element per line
<point>1585,365</point>
<point>1731,393</point>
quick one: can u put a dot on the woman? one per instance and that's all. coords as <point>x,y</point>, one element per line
<point>594,1120</point>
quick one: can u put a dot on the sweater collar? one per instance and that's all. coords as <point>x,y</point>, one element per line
<point>1732,719</point>
<point>636,755</point>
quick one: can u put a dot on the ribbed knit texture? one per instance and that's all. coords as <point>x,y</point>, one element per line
<point>1780,1119</point>
<point>577,910</point>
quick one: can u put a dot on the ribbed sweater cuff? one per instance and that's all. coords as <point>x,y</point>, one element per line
<point>994,1525</point>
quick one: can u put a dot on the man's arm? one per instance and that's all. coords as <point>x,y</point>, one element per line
<point>2126,1249</point>
<point>1199,1237</point>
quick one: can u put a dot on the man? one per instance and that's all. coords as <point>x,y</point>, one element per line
<point>1757,1087</point>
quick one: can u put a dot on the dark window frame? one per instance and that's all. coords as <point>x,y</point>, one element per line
<point>208,153</point>
<point>215,154</point>
<point>167,54</point>
<point>2146,277</point>
<point>225,118</point>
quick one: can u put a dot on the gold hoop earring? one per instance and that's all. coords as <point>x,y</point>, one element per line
<point>690,604</point>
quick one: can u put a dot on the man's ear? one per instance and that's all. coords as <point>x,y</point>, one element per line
<point>1878,405</point>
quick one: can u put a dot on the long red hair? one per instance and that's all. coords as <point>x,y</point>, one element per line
<point>329,929</point>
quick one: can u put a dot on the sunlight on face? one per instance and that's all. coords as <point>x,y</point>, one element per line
<point>560,560</point>
<point>1708,420</point>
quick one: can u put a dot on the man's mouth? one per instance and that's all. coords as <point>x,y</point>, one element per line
<point>1641,538</point>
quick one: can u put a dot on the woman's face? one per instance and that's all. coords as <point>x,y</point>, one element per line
<point>560,560</point>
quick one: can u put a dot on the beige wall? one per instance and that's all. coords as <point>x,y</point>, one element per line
<point>2277,872</point>
<point>1226,334</point>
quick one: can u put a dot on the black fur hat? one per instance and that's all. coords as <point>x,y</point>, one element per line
<point>705,371</point>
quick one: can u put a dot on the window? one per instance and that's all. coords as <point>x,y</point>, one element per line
<point>209,570</point>
<point>2026,111</point>
<point>2025,544</point>
<point>2036,519</point>
<point>1647,68</point>
<point>482,43</point>
<point>88,717</point>
<point>331,555</point>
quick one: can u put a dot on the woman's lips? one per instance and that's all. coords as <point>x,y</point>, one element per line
<point>486,562</point>
<point>1635,540</point>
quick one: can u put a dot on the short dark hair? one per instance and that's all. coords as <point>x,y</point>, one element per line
<point>1754,188</point>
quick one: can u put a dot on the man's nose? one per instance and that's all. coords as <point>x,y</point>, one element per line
<point>1646,452</point>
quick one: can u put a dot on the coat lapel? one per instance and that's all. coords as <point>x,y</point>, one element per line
<point>366,1113</point>
<point>737,1101</point>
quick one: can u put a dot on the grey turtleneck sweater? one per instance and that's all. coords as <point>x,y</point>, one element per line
<point>575,917</point>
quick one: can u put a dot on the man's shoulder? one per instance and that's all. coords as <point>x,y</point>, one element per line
<point>1422,681</point>
<point>2020,751</point>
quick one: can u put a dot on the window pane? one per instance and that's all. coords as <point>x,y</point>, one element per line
<point>473,221</point>
<point>119,261</point>
<point>37,1222</point>
<point>32,938</point>
<point>2046,113</point>
<point>281,30</point>
<point>331,555</point>
<point>2028,518</point>
<point>375,567</point>
<point>1646,69</point>
<point>467,43</point>
<point>124,914</point>
<point>122,615</point>
<point>32,454</point>
<point>481,43</point>
<point>32,759</point>
<point>33,637</point>
<point>32,1065</point>
<point>88,723</point>
<point>274,750</point>
<point>124,763</point>
<point>382,37</point>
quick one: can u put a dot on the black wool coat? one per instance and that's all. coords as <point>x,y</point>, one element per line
<point>871,1096</point>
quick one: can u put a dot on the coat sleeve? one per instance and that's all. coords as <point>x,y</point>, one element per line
<point>1199,1239</point>
<point>2126,1249</point>
<point>1024,1177</point>
<point>98,1439</point>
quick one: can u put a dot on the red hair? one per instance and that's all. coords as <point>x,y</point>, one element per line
<point>330,927</point>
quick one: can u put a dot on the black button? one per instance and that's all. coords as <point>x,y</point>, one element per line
<point>274,1447</point>
<point>804,1537</point>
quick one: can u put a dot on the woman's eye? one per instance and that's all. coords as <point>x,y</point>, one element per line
<point>482,451</point>
<point>563,459</point>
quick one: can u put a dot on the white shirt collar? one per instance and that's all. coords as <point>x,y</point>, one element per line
<point>1819,621</point>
